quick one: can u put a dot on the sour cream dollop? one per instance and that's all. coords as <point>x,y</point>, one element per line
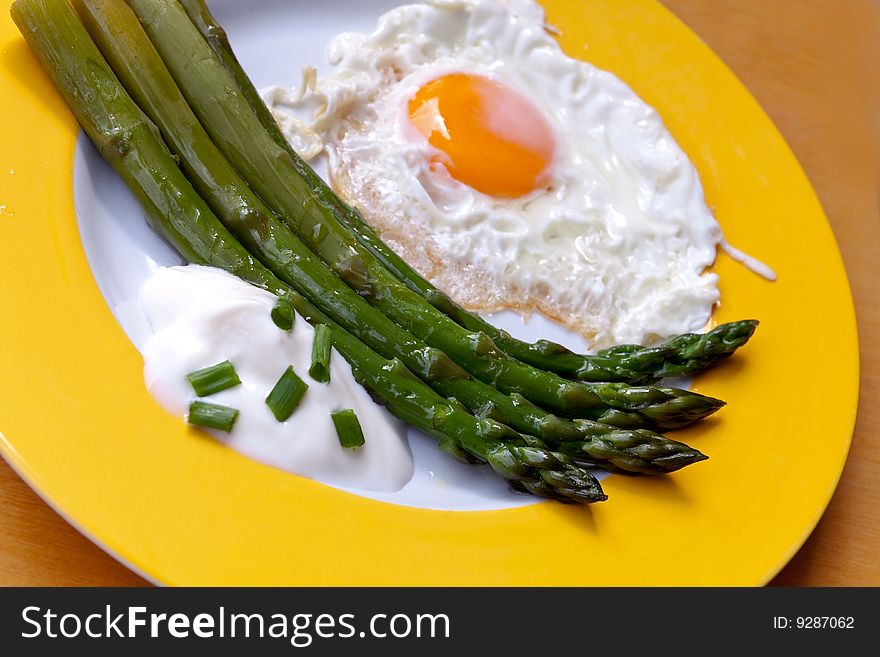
<point>202,316</point>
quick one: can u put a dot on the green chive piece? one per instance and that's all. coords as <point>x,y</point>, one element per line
<point>213,379</point>
<point>286,395</point>
<point>283,315</point>
<point>320,368</point>
<point>212,416</point>
<point>348,428</point>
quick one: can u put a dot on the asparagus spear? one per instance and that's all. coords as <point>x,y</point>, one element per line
<point>130,53</point>
<point>123,135</point>
<point>278,179</point>
<point>681,356</point>
<point>215,35</point>
<point>132,146</point>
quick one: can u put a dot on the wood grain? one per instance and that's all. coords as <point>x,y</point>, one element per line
<point>813,65</point>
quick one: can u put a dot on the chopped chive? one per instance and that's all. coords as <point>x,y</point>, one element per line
<point>212,416</point>
<point>348,428</point>
<point>320,368</point>
<point>286,395</point>
<point>282,314</point>
<point>213,379</point>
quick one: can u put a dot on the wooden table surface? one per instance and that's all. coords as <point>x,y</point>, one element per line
<point>814,65</point>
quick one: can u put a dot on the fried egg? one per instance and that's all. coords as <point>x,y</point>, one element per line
<point>509,174</point>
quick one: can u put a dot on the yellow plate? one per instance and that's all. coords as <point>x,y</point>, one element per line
<point>78,424</point>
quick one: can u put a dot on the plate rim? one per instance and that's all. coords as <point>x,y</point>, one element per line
<point>62,132</point>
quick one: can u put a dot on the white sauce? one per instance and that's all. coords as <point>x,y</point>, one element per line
<point>202,316</point>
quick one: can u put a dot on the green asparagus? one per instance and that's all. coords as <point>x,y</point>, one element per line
<point>681,356</point>
<point>269,169</point>
<point>129,52</point>
<point>527,468</point>
<point>133,147</point>
<point>215,35</point>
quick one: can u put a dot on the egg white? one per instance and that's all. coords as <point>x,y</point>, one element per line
<point>616,248</point>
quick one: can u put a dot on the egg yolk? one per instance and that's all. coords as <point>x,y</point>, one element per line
<point>490,136</point>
